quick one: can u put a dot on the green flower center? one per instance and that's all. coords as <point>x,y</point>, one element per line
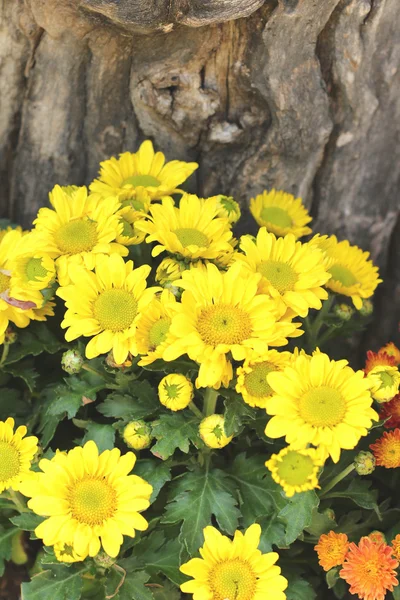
<point>280,275</point>
<point>229,204</point>
<point>295,469</point>
<point>92,501</point>
<point>322,407</point>
<point>141,181</point>
<point>172,390</point>
<point>34,269</point>
<point>9,461</point>
<point>76,236</point>
<point>4,282</point>
<point>224,324</point>
<point>115,309</point>
<point>386,379</point>
<point>127,229</point>
<point>256,382</point>
<point>189,236</point>
<point>233,579</point>
<point>274,215</point>
<point>158,332</point>
<point>343,275</point>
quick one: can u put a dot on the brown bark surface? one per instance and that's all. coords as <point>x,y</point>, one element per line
<point>302,95</point>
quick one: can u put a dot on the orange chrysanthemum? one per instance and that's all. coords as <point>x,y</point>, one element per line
<point>378,359</point>
<point>391,411</point>
<point>392,350</point>
<point>377,537</point>
<point>387,450</point>
<point>332,549</point>
<point>396,547</point>
<point>369,570</point>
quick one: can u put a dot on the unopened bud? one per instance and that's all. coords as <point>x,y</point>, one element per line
<point>367,308</point>
<point>72,361</point>
<point>104,560</point>
<point>137,435</point>
<point>329,513</point>
<point>10,336</point>
<point>110,362</point>
<point>378,537</point>
<point>343,311</point>
<point>364,463</point>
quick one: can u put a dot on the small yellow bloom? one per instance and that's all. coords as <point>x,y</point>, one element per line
<point>384,381</point>
<point>66,553</point>
<point>137,435</point>
<point>212,432</point>
<point>296,470</point>
<point>228,208</point>
<point>130,235</point>
<point>234,569</point>
<point>16,454</point>
<point>175,391</point>
<point>280,213</point>
<point>153,334</point>
<point>169,270</point>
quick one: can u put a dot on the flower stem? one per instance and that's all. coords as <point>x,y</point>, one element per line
<point>196,410</point>
<point>6,349</point>
<point>94,371</point>
<point>210,401</point>
<point>313,328</point>
<point>16,497</point>
<point>337,479</point>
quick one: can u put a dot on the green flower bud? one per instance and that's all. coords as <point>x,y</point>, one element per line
<point>72,361</point>
<point>364,463</point>
<point>343,311</point>
<point>137,435</point>
<point>329,513</point>
<point>367,308</point>
<point>103,560</point>
<point>10,336</point>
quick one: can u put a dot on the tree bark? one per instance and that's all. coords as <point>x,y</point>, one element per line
<point>301,95</point>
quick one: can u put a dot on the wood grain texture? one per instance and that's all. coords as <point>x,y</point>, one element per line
<point>303,95</point>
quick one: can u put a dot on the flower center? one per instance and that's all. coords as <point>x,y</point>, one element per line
<point>386,379</point>
<point>158,332</point>
<point>279,274</point>
<point>276,216</point>
<point>322,407</point>
<point>295,469</point>
<point>391,453</point>
<point>127,229</point>
<point>115,309</point>
<point>256,382</point>
<point>172,390</point>
<point>141,181</point>
<point>34,269</point>
<point>9,461</point>
<point>343,275</point>
<point>4,282</point>
<point>188,236</point>
<point>92,501</point>
<point>233,580</point>
<point>76,236</point>
<point>224,324</point>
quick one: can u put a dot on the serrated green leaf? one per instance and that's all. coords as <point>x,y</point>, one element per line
<point>70,397</point>
<point>297,514</point>
<point>237,412</point>
<point>174,431</point>
<point>156,473</point>
<point>272,533</point>
<point>299,589</point>
<point>195,498</point>
<point>24,370</point>
<point>6,536</point>
<point>12,404</point>
<point>167,592</point>
<point>59,581</point>
<point>359,491</point>
<point>133,587</point>
<point>180,365</point>
<point>102,435</point>
<point>157,555</point>
<point>47,424</point>
<point>27,521</point>
<point>34,340</point>
<point>320,523</point>
<point>129,407</point>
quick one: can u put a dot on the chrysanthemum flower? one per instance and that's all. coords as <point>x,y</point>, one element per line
<point>137,435</point>
<point>16,454</point>
<point>384,382</point>
<point>228,208</point>
<point>396,547</point>
<point>322,402</point>
<point>387,449</point>
<point>153,327</point>
<point>130,234</point>
<point>78,230</point>
<point>126,175</point>
<point>9,228</point>
<point>352,273</point>
<point>369,569</point>
<point>252,376</point>
<point>64,552</point>
<point>191,231</point>
<point>392,350</point>
<point>41,314</point>
<point>88,497</point>
<point>212,432</point>
<point>296,470</point>
<point>378,359</point>
<point>218,315</point>
<point>391,411</point>
<point>332,549</point>
<point>234,569</point>
<point>175,391</point>
<point>169,270</point>
<point>106,305</point>
<point>290,270</point>
<point>378,537</point>
<point>280,213</point>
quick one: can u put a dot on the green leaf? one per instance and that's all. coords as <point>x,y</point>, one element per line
<point>133,587</point>
<point>299,589</point>
<point>297,514</point>
<point>320,523</point>
<point>27,521</point>
<point>158,555</point>
<point>195,498</point>
<point>396,593</point>
<point>24,370</point>
<point>47,424</point>
<point>167,592</point>
<point>102,435</point>
<point>180,365</point>
<point>174,431</point>
<point>34,340</point>
<point>6,536</point>
<point>127,407</point>
<point>70,397</point>
<point>359,491</point>
<point>58,582</point>
<point>272,532</point>
<point>332,577</point>
<point>156,473</point>
<point>12,404</point>
<point>237,412</point>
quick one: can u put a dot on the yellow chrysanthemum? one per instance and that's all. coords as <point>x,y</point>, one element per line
<point>252,381</point>
<point>16,454</point>
<point>106,305</point>
<point>137,435</point>
<point>228,208</point>
<point>234,569</point>
<point>131,172</point>
<point>130,235</point>
<point>384,382</point>
<point>9,228</point>
<point>191,231</point>
<point>88,497</point>
<point>220,314</point>
<point>64,552</point>
<point>153,327</point>
<point>321,402</point>
<point>212,432</point>
<point>175,391</point>
<point>280,213</point>
<point>353,274</point>
<point>296,470</point>
<point>290,270</point>
<point>41,314</point>
<point>78,230</point>
<point>169,270</point>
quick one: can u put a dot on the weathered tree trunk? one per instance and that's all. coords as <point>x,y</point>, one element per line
<point>303,95</point>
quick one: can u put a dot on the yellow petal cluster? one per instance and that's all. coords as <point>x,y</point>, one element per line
<point>16,454</point>
<point>281,213</point>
